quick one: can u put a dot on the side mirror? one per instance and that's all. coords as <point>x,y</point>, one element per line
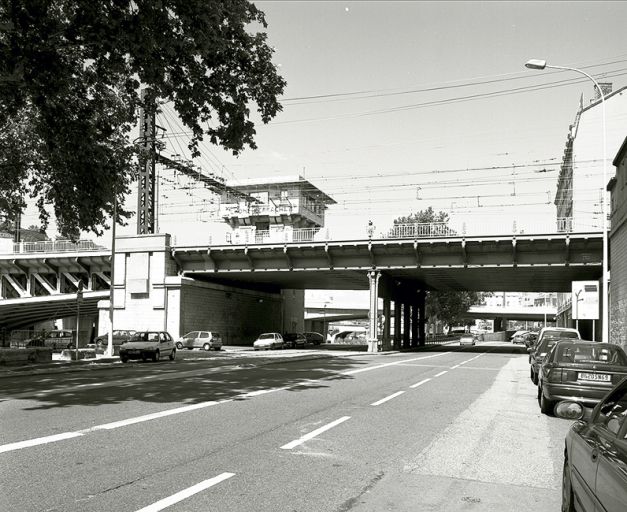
<point>572,411</point>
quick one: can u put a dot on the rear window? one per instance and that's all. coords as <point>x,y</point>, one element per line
<point>588,353</point>
<point>560,334</point>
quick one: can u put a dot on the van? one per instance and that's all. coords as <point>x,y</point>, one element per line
<point>58,339</point>
<point>351,336</point>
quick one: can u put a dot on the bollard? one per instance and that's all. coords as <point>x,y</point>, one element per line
<point>373,345</point>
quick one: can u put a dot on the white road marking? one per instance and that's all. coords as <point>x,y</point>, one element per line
<point>369,368</point>
<point>186,493</point>
<point>419,383</point>
<point>441,373</point>
<point>179,410</point>
<point>153,416</point>
<point>383,400</point>
<point>40,440</point>
<point>314,433</point>
<point>453,367</point>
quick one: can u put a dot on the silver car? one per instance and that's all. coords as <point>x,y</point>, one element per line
<point>206,340</point>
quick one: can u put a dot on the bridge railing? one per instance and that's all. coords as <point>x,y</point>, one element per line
<point>53,246</point>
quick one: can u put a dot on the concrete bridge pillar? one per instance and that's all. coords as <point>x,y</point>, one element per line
<point>406,324</point>
<point>414,324</point>
<point>387,345</point>
<point>397,324</point>
<point>373,314</point>
<point>422,337</point>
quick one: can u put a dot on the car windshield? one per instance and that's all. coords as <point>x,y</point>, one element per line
<point>589,353</point>
<point>190,335</point>
<point>266,336</point>
<point>145,336</point>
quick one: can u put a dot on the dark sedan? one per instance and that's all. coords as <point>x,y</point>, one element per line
<point>580,371</point>
<point>294,340</point>
<point>595,457</point>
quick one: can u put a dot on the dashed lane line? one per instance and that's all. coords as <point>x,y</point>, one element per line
<point>441,373</point>
<point>419,383</point>
<point>186,493</point>
<point>395,363</point>
<point>314,433</point>
<point>383,400</point>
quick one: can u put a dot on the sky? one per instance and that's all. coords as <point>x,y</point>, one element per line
<point>394,107</point>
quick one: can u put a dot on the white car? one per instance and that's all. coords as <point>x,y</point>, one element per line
<point>205,340</point>
<point>467,339</point>
<point>268,340</point>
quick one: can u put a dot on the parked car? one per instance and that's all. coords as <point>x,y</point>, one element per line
<point>517,336</point>
<point>530,339</point>
<point>268,340</point>
<point>546,339</point>
<point>467,339</point>
<point>294,340</point>
<point>314,337</point>
<point>148,344</point>
<point>57,339</point>
<point>206,340</point>
<point>119,337</point>
<point>595,454</point>
<point>581,371</point>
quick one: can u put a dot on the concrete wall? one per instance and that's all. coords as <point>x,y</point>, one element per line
<point>149,294</point>
<point>238,315</point>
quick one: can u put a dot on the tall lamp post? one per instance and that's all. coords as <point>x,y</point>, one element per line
<point>541,64</point>
<point>114,219</point>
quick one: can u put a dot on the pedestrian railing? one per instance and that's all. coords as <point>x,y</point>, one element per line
<point>53,246</point>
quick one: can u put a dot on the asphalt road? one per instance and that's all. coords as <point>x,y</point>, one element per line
<point>438,430</point>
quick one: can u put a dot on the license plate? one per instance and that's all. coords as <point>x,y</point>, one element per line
<point>595,376</point>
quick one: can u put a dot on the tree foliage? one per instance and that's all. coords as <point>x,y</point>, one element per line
<point>70,78</point>
<point>451,306</point>
<point>423,217</point>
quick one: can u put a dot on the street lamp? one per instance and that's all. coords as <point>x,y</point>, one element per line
<point>605,318</point>
<point>109,351</point>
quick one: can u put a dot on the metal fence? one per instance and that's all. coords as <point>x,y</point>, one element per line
<point>52,246</point>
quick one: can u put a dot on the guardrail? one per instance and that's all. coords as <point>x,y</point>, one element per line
<point>53,246</point>
<point>290,235</point>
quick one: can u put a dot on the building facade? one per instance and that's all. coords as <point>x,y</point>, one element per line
<point>580,187</point>
<point>617,187</point>
<point>282,209</point>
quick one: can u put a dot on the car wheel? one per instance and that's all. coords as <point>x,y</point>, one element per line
<point>179,345</point>
<point>172,355</point>
<point>144,357</point>
<point>124,359</point>
<point>546,406</point>
<point>206,347</point>
<point>217,348</point>
<point>156,356</point>
<point>568,497</point>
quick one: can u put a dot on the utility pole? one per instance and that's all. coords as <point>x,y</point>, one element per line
<point>147,159</point>
<point>79,299</point>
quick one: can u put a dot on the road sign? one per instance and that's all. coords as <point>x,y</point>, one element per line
<point>585,300</point>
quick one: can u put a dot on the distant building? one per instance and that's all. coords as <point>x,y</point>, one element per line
<point>580,186</point>
<point>284,209</point>
<point>618,249</point>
